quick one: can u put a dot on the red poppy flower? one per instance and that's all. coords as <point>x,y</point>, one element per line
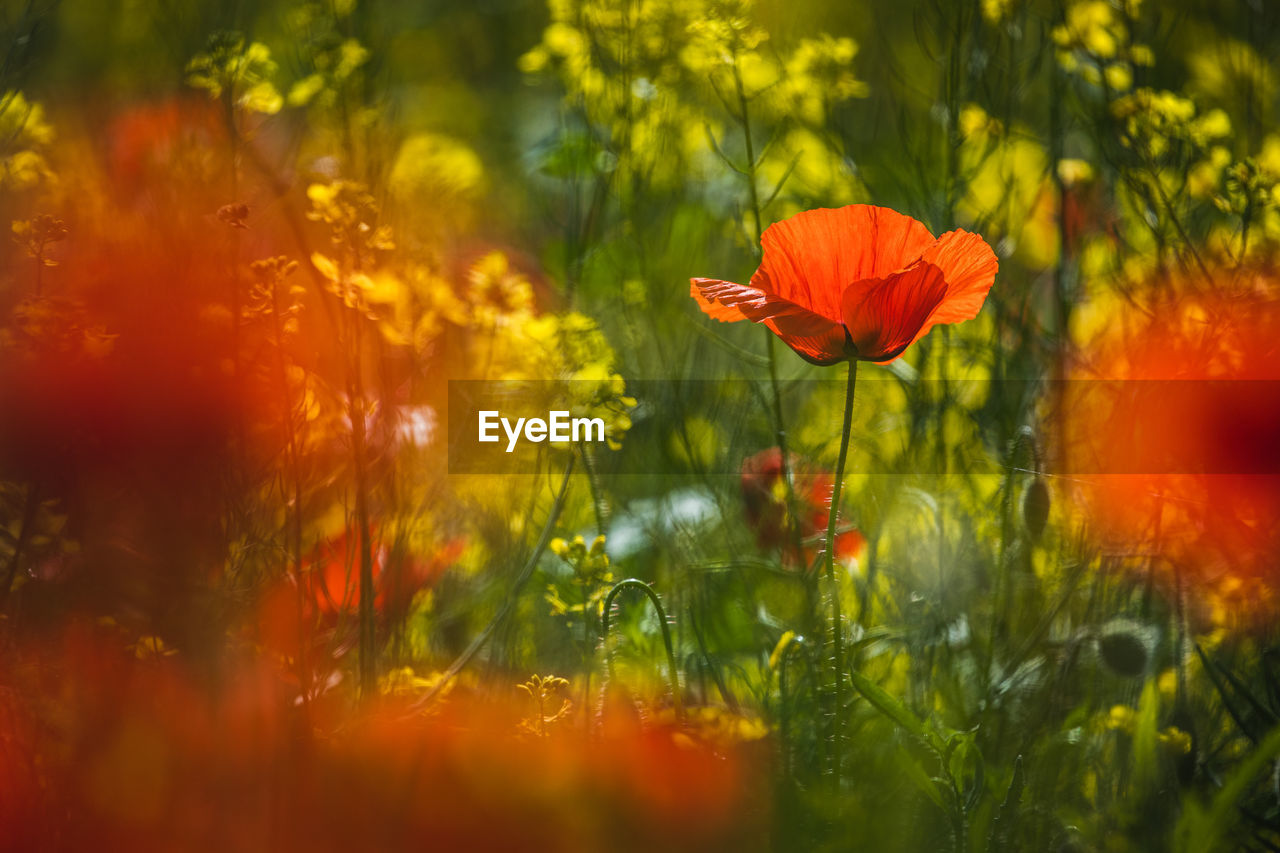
<point>331,591</point>
<point>860,282</point>
<point>764,493</point>
<point>335,574</point>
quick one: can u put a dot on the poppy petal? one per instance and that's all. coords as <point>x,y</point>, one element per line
<point>885,316</point>
<point>850,545</point>
<point>715,310</point>
<point>813,337</point>
<point>969,266</point>
<point>811,258</point>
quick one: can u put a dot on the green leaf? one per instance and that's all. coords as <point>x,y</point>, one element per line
<point>1200,830</point>
<point>921,778</point>
<point>1003,825</point>
<point>1145,741</point>
<point>894,710</point>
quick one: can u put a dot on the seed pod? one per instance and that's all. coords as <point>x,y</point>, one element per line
<point>1035,508</point>
<point>1125,648</point>
<point>1071,840</point>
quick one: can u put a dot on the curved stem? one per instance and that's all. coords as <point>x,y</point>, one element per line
<point>636,583</point>
<point>593,482</point>
<point>837,649</point>
<point>797,644</point>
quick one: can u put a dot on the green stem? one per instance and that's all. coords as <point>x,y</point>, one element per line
<point>780,428</point>
<point>588,646</point>
<point>797,644</point>
<point>636,583</point>
<point>750,172</point>
<point>295,511</point>
<point>837,650</point>
<point>356,412</point>
<point>598,504</point>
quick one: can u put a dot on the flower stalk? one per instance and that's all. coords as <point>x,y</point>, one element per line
<point>837,619</point>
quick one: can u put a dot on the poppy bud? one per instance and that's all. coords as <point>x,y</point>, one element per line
<point>1035,508</point>
<point>1124,648</point>
<point>1071,840</point>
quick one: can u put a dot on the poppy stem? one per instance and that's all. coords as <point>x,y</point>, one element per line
<point>837,649</point>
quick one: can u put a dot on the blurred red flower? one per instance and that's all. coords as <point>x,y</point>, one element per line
<point>764,493</point>
<point>859,282</point>
<point>334,568</point>
<point>330,596</point>
<point>1170,422</point>
<point>105,749</point>
<point>150,143</point>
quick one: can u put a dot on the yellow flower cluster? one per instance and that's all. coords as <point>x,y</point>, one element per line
<point>725,39</point>
<point>542,689</point>
<point>25,135</point>
<point>333,67</point>
<point>270,299</point>
<point>714,726</point>
<point>615,63</point>
<point>591,572</point>
<point>996,11</point>
<point>819,73</point>
<point>403,681</point>
<point>1157,123</point>
<point>353,276</point>
<point>1230,72</point>
<point>1124,719</point>
<point>1095,42</point>
<point>350,212</point>
<point>790,95</point>
<point>567,354</point>
<point>655,76</point>
<point>41,327</point>
<point>240,72</point>
<point>333,59</point>
<point>1007,184</point>
<point>725,51</point>
<point>1249,187</point>
<point>36,234</point>
<point>1249,190</point>
<point>436,171</point>
<point>590,563</point>
<point>497,293</point>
